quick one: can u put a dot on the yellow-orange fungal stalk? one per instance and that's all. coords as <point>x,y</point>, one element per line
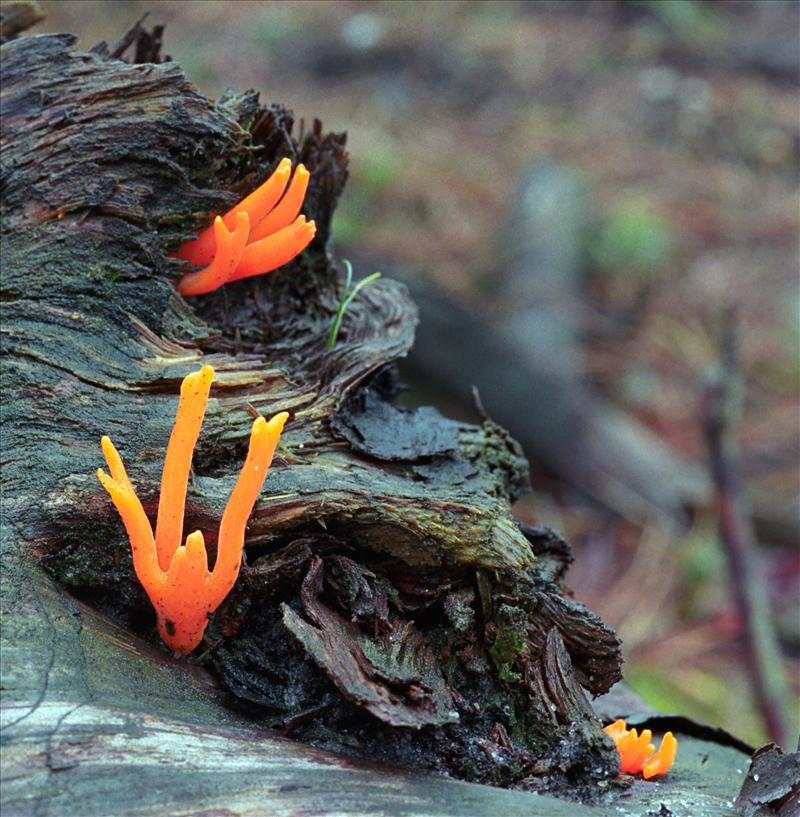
<point>288,209</point>
<point>231,249</point>
<point>201,250</point>
<point>661,762</point>
<point>616,730</point>
<point>176,577</point>
<point>634,750</point>
<point>275,250</point>
<point>636,753</point>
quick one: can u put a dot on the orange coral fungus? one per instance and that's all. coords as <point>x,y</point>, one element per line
<point>176,577</point>
<point>636,753</point>
<point>261,233</point>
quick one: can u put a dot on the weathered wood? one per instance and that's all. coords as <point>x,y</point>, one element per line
<point>151,738</point>
<point>183,768</point>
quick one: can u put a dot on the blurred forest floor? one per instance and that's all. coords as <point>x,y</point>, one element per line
<point>681,119</point>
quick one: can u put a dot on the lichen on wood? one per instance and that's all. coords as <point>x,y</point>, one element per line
<point>390,605</point>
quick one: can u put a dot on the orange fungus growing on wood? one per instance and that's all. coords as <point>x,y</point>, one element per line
<point>262,232</point>
<point>176,577</point>
<point>637,754</point>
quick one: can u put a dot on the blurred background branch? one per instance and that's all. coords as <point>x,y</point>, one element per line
<point>723,403</point>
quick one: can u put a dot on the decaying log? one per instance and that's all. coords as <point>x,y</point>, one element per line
<point>390,606</point>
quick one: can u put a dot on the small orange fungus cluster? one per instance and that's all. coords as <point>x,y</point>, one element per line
<point>176,576</point>
<point>261,233</point>
<point>637,754</point>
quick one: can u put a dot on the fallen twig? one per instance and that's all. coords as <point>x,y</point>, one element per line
<point>721,411</point>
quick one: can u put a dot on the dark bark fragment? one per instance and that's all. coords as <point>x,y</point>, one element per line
<point>395,677</point>
<point>772,785</point>
<point>549,546</point>
<point>583,744</point>
<point>391,433</point>
<point>358,592</point>
<point>595,648</point>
